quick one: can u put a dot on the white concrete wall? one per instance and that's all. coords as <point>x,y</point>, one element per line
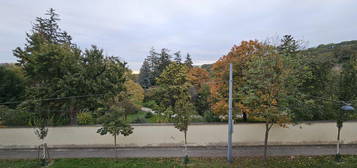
<point>198,135</point>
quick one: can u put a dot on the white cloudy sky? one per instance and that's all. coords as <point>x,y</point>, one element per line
<point>207,29</point>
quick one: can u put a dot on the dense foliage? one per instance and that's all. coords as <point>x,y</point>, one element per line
<point>54,80</point>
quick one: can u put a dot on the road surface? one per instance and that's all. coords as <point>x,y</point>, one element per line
<point>178,152</point>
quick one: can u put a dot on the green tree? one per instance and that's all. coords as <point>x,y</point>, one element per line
<point>178,58</point>
<point>153,66</point>
<point>99,75</point>
<point>164,60</point>
<point>188,61</point>
<point>145,76</point>
<point>175,102</point>
<point>182,116</point>
<point>174,83</point>
<point>135,92</point>
<point>271,82</point>
<point>56,69</point>
<point>289,46</point>
<point>113,123</point>
<point>12,84</point>
<point>47,58</point>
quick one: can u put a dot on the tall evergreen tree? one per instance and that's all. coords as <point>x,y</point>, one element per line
<point>188,61</point>
<point>289,46</point>
<point>56,68</point>
<point>145,75</point>
<point>153,66</point>
<point>47,59</point>
<point>178,58</point>
<point>154,62</point>
<point>164,60</point>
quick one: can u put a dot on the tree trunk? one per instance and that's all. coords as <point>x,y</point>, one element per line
<point>245,117</point>
<point>267,129</point>
<point>43,150</point>
<point>338,141</point>
<point>73,115</point>
<point>115,146</point>
<point>266,140</point>
<point>185,132</point>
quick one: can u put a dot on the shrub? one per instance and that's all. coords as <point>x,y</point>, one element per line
<point>14,117</point>
<point>139,120</point>
<point>210,117</point>
<point>151,104</point>
<point>148,115</point>
<point>84,118</point>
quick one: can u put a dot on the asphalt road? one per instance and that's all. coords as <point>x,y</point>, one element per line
<point>178,152</point>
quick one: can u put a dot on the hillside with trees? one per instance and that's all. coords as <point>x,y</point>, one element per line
<point>315,80</point>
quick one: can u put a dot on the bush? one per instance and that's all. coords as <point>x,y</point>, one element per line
<point>151,104</point>
<point>14,117</point>
<point>129,107</point>
<point>84,118</point>
<point>148,115</point>
<point>210,117</point>
<point>139,120</point>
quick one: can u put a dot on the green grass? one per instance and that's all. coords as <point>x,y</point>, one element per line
<point>19,164</point>
<point>274,162</point>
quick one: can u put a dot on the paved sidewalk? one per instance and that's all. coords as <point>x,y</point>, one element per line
<point>178,152</point>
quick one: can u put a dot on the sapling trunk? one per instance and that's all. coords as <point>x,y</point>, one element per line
<point>266,140</point>
<point>115,146</point>
<point>338,155</point>
<point>185,132</point>
<point>43,150</point>
<point>339,127</point>
<point>185,159</point>
<point>338,140</point>
<point>267,129</point>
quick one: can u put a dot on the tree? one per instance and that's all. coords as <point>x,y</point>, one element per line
<point>153,66</point>
<point>65,77</point>
<point>174,82</point>
<point>164,61</point>
<point>271,82</point>
<point>145,76</point>
<point>289,46</point>
<point>99,75</point>
<point>183,110</point>
<point>240,56</point>
<point>135,93</point>
<point>188,61</point>
<point>199,91</point>
<point>113,123</point>
<point>175,103</point>
<point>12,84</point>
<point>47,57</point>
<point>178,58</point>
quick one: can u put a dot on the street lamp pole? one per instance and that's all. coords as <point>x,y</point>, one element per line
<point>345,108</point>
<point>230,122</point>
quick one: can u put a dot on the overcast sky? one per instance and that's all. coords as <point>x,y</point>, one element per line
<point>207,29</point>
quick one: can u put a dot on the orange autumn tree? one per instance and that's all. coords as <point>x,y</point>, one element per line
<point>239,56</point>
<point>198,76</point>
<point>199,90</point>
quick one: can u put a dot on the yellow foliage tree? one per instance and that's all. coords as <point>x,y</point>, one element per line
<point>135,92</point>
<point>240,56</point>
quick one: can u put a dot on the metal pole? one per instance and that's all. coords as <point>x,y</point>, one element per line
<point>230,123</point>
